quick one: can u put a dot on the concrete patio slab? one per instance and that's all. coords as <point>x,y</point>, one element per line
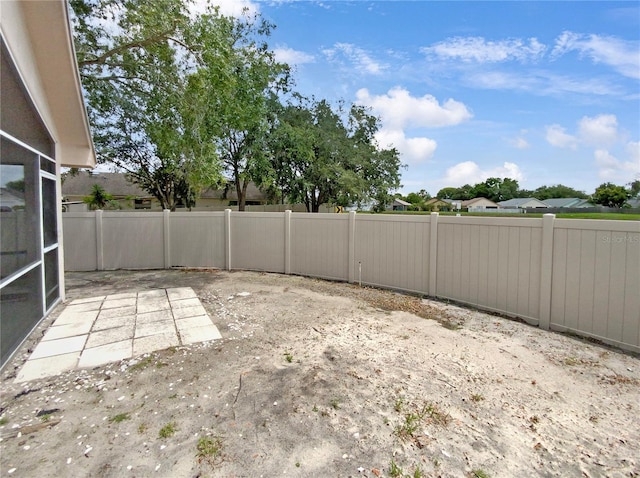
<point>106,353</point>
<point>51,348</point>
<point>46,367</point>
<point>68,330</point>
<point>95,305</point>
<point>155,328</point>
<point>144,345</point>
<point>184,312</point>
<point>181,293</point>
<point>69,317</point>
<point>156,316</point>
<point>152,293</point>
<point>152,304</point>
<point>199,334</point>
<point>98,330</point>
<point>181,303</point>
<point>110,303</point>
<point>120,311</point>
<point>108,336</point>
<point>113,322</point>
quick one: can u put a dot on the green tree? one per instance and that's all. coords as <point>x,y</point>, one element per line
<point>318,158</point>
<point>170,95</point>
<point>448,193</point>
<point>634,188</point>
<point>237,97</point>
<point>610,195</point>
<point>557,191</point>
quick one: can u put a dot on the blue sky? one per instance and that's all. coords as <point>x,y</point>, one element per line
<point>542,92</point>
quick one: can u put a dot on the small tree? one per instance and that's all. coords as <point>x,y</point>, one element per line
<point>610,195</point>
<point>99,199</point>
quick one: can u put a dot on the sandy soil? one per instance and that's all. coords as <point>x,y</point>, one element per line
<point>315,378</point>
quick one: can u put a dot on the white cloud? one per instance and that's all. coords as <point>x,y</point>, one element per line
<point>600,130</point>
<point>623,56</point>
<point>557,136</point>
<point>291,56</point>
<point>412,150</point>
<point>520,143</point>
<point>398,109</point>
<point>362,61</point>
<point>612,169</point>
<point>469,172</point>
<point>633,148</point>
<point>541,83</point>
<point>479,50</point>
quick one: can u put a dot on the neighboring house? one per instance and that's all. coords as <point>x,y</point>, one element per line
<point>567,202</point>
<point>435,205</point>
<point>130,196</point>
<point>43,126</point>
<point>522,203</point>
<point>398,205</point>
<point>471,205</point>
<point>125,193</point>
<point>479,205</point>
<point>229,197</point>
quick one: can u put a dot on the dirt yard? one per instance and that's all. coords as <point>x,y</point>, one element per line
<point>315,378</point>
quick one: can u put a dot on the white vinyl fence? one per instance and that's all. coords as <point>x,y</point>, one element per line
<point>580,276</point>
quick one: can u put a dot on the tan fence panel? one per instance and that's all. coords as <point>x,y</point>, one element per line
<point>197,239</point>
<point>320,245</point>
<point>133,240</point>
<point>492,263</point>
<point>80,241</point>
<point>596,277</point>
<point>393,251</point>
<point>257,241</point>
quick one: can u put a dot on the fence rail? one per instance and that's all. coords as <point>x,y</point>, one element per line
<point>581,276</point>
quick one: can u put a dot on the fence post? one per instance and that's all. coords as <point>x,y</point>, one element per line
<point>99,241</point>
<point>287,242</point>
<point>546,270</point>
<point>167,238</point>
<point>352,247</point>
<point>433,253</point>
<point>227,238</point>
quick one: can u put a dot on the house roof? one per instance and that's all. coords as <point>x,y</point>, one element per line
<point>436,201</point>
<point>39,40</point>
<point>401,202</point>
<point>115,184</point>
<point>471,202</point>
<point>522,202</point>
<point>565,202</point>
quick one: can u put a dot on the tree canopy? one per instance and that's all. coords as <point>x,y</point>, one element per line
<point>170,95</point>
<point>317,157</point>
<point>610,195</point>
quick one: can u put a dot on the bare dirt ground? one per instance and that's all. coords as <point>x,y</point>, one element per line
<point>314,378</point>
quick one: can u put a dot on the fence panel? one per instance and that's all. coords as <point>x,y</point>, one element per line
<point>320,245</point>
<point>492,263</point>
<point>393,251</point>
<point>257,241</point>
<point>133,240</point>
<point>80,241</point>
<point>197,239</point>
<point>596,272</point>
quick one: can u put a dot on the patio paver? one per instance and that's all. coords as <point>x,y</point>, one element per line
<point>95,331</point>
